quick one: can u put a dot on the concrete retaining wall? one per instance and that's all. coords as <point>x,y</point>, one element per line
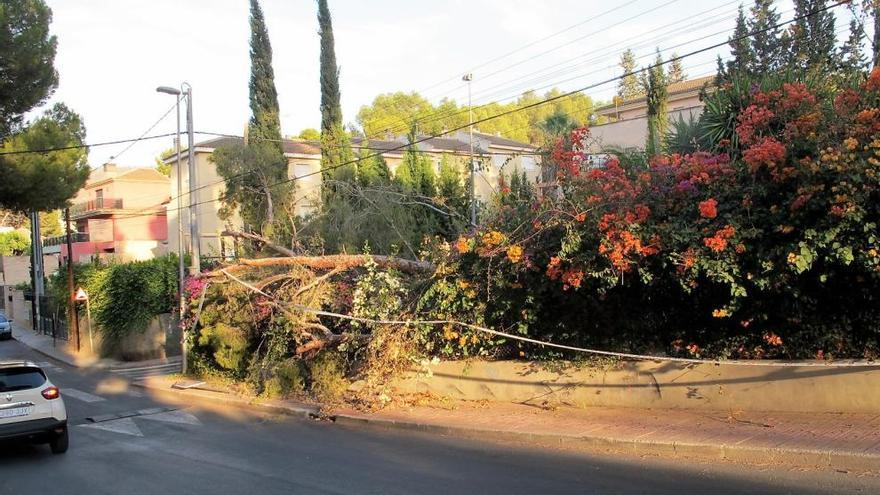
<point>656,385</point>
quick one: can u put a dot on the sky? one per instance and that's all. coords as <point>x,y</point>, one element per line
<point>112,54</point>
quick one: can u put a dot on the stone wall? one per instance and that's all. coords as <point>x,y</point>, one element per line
<point>660,385</point>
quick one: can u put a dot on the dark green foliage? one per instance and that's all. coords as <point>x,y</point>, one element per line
<point>876,43</point>
<point>124,297</point>
<point>852,57</point>
<point>628,86</point>
<point>685,136</point>
<point>416,173</point>
<point>256,187</point>
<point>658,102</point>
<point>676,70</point>
<point>265,124</point>
<point>766,43</point>
<point>813,38</point>
<point>557,124</point>
<point>372,169</point>
<point>743,56</point>
<point>331,108</point>
<point>44,181</point>
<point>336,155</point>
<point>27,54</point>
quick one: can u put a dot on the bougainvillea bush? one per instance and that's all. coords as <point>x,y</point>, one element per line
<point>764,247</point>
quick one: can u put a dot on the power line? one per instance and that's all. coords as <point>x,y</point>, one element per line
<point>81,146</point>
<point>530,44</point>
<point>132,143</point>
<point>442,114</point>
<point>551,99</point>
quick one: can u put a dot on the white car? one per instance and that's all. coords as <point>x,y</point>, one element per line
<point>5,327</point>
<point>31,408</point>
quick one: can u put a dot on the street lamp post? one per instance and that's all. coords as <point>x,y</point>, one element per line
<point>181,274</point>
<point>195,262</point>
<point>468,78</point>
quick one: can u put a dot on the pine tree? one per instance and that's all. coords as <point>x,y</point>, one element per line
<point>743,60</point>
<point>852,58</point>
<point>628,86</point>
<point>265,124</point>
<point>765,37</point>
<point>676,71</point>
<point>813,38</point>
<point>658,102</point>
<point>336,154</point>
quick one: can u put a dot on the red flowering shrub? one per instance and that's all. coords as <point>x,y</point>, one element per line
<point>770,252</point>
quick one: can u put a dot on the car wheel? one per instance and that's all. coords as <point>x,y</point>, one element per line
<point>60,443</point>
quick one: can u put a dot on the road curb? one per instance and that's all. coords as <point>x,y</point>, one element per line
<point>845,461</point>
<point>193,396</point>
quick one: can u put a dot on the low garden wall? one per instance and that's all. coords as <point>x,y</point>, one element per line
<point>661,385</point>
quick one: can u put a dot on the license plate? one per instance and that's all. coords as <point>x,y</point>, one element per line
<point>15,412</point>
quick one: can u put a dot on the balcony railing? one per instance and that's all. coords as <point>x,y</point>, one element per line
<point>62,239</point>
<point>95,205</point>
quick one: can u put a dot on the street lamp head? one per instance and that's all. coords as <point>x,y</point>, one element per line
<point>467,77</point>
<point>168,90</point>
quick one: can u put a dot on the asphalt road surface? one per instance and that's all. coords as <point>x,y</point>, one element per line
<point>157,448</point>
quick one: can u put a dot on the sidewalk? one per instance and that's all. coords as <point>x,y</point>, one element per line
<point>837,441</point>
<point>61,350</point>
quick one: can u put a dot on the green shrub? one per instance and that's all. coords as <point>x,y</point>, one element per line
<point>229,345</point>
<point>287,378</point>
<point>328,377</point>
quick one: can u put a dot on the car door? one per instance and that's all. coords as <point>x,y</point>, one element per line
<point>20,395</point>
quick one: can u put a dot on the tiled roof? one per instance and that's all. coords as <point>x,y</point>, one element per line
<point>434,144</point>
<point>502,141</point>
<point>142,174</point>
<point>299,146</point>
<point>676,89</point>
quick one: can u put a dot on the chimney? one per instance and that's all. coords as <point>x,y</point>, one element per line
<point>109,168</point>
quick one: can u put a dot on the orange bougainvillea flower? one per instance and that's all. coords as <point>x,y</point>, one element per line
<point>462,245</point>
<point>580,217</point>
<point>773,339</point>
<point>720,313</point>
<point>514,254</point>
<point>709,208</point>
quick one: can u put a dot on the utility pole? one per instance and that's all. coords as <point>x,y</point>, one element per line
<point>469,77</point>
<point>36,269</point>
<point>72,313</point>
<point>181,273</point>
<point>195,240</point>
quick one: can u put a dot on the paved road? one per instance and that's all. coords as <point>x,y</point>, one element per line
<point>214,451</point>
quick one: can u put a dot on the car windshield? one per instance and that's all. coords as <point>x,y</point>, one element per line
<point>24,378</point>
<point>2,319</point>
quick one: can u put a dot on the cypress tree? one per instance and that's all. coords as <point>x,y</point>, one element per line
<point>741,46</point>
<point>658,102</point>
<point>335,143</point>
<point>852,57</point>
<point>676,71</point>
<point>265,124</point>
<point>766,44</point>
<point>813,40</point>
<point>628,86</point>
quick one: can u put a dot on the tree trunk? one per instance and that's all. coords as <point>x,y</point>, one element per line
<point>329,262</point>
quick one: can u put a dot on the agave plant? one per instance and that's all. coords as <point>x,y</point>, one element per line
<point>685,136</point>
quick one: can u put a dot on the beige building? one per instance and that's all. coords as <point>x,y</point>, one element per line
<point>627,125</point>
<point>495,154</point>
